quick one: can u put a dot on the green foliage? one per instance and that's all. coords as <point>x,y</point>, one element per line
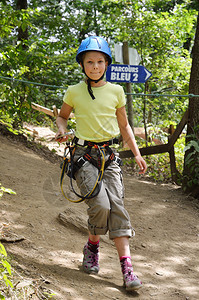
<point>159,36</point>
<point>159,164</point>
<point>14,286</point>
<point>6,190</point>
<point>5,267</point>
<point>159,167</point>
<point>179,154</point>
<point>192,161</point>
<point>161,31</point>
<point>5,272</point>
<point>55,31</point>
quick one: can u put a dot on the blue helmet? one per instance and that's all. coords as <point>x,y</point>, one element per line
<point>94,43</point>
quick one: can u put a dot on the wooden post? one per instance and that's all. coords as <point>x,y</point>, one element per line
<point>175,174</point>
<point>173,165</point>
<point>55,111</point>
<point>125,50</point>
<point>42,109</point>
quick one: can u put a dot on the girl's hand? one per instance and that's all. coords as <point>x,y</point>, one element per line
<point>61,121</point>
<point>141,163</point>
<point>61,136</point>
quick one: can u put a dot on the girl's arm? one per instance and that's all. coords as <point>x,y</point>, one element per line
<point>129,137</point>
<point>61,122</point>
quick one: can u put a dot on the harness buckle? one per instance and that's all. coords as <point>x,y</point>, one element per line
<point>73,168</point>
<point>118,160</point>
<point>80,161</point>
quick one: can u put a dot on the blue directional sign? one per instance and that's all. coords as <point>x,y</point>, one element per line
<point>127,73</point>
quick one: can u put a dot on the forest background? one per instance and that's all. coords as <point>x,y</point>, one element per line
<point>39,41</point>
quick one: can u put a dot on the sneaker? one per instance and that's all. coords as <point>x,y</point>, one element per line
<point>131,281</point>
<point>90,260</point>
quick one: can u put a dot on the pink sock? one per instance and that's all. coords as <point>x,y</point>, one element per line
<point>123,257</point>
<point>93,243</point>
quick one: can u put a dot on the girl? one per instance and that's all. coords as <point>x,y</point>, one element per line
<point>99,107</point>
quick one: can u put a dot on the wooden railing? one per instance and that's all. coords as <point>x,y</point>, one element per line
<point>53,113</point>
<point>169,147</point>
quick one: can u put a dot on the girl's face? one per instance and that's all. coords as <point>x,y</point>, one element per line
<point>95,64</point>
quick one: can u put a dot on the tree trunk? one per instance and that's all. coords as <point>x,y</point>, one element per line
<point>191,172</point>
<point>22,37</point>
<point>22,34</point>
<point>125,50</point>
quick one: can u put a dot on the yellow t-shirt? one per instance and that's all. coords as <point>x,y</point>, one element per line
<point>95,119</point>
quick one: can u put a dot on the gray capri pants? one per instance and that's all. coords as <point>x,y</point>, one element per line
<point>106,212</point>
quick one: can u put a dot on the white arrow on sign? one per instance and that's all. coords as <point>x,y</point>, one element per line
<point>148,74</point>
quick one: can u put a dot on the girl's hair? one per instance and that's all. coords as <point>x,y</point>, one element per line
<point>83,54</point>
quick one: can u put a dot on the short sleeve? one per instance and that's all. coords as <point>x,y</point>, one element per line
<point>67,97</point>
<point>121,98</point>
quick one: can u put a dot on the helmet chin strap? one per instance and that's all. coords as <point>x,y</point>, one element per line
<point>89,83</point>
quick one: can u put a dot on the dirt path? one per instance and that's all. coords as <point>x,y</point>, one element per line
<point>164,249</point>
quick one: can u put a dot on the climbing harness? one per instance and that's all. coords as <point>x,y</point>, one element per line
<point>70,167</point>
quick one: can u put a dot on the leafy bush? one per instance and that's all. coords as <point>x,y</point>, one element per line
<point>5,272</point>
<point>159,167</point>
<point>192,161</point>
<point>5,267</point>
<point>12,284</point>
<point>159,164</point>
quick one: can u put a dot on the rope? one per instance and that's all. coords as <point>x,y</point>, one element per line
<point>65,88</point>
<point>163,95</point>
<point>90,194</point>
<point>35,83</point>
